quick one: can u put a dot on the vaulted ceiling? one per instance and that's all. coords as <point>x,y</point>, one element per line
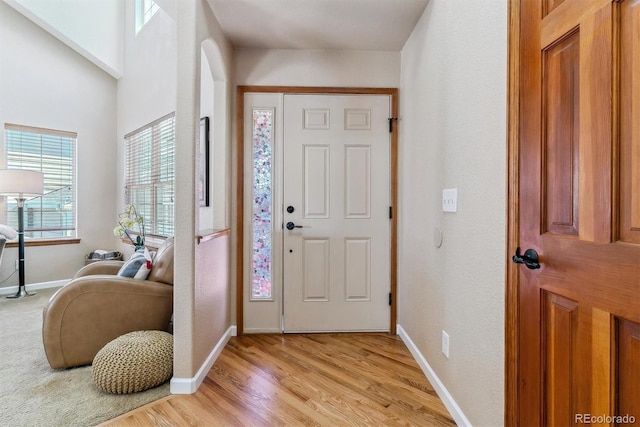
<point>95,30</point>
<point>380,25</point>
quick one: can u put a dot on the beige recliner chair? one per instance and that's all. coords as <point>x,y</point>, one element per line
<point>3,243</point>
<point>98,306</point>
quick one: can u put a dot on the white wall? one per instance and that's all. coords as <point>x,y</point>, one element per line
<point>147,90</point>
<point>453,135</point>
<point>317,68</point>
<point>215,103</point>
<point>207,109</point>
<point>94,28</point>
<point>43,83</point>
<point>202,300</point>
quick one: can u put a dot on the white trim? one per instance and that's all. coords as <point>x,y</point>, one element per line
<point>442,391</point>
<point>190,385</point>
<point>8,290</point>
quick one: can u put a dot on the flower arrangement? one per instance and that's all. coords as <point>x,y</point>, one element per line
<point>127,220</point>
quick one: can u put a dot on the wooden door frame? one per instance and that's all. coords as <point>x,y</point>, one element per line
<point>512,319</point>
<point>240,165</point>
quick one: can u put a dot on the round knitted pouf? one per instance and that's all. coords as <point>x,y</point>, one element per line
<point>134,362</point>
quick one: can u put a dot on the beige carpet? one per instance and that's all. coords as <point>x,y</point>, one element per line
<point>34,395</point>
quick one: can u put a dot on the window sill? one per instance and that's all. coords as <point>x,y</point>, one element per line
<point>45,242</point>
<point>150,242</point>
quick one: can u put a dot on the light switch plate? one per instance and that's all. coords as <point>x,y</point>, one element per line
<point>450,200</point>
<point>445,344</point>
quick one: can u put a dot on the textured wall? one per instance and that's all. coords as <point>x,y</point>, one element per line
<point>453,135</point>
<point>213,296</point>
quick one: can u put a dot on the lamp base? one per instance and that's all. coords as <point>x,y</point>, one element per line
<point>22,292</point>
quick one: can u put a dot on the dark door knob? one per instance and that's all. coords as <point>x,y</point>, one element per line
<point>290,209</point>
<point>291,226</point>
<point>529,258</point>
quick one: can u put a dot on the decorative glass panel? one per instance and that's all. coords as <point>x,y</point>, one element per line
<point>262,207</point>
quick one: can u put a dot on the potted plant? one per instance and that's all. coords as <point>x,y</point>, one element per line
<point>127,223</point>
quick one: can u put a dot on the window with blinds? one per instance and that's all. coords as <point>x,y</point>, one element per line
<point>150,174</point>
<point>145,9</point>
<point>53,215</point>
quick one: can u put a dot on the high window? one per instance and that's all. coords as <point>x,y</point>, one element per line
<point>145,9</point>
<point>150,174</point>
<point>53,215</point>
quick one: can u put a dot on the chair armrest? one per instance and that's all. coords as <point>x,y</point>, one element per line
<point>99,267</point>
<point>90,311</point>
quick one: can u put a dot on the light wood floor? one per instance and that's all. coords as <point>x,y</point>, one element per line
<point>307,379</point>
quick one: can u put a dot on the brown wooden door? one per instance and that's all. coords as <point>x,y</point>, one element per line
<point>577,328</point>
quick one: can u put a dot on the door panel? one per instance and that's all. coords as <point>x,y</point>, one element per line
<point>562,136</point>
<point>629,123</point>
<point>316,181</point>
<point>357,269</point>
<point>337,264</point>
<point>578,160</point>
<point>357,181</point>
<point>262,245</point>
<point>628,365</point>
<point>316,264</point>
<point>560,327</point>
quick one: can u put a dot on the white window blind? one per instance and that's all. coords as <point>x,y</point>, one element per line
<point>150,174</point>
<point>53,215</point>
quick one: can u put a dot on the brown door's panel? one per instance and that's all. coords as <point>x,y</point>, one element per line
<point>561,122</point>
<point>628,369</point>
<point>629,122</point>
<point>596,149</point>
<point>549,5</point>
<point>560,326</point>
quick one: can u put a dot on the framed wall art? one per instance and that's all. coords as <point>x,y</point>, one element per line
<point>203,166</point>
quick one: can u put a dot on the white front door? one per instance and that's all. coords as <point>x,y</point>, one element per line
<point>336,198</point>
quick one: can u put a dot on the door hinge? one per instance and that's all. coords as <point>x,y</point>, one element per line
<point>391,120</point>
<point>390,298</point>
<point>390,212</point>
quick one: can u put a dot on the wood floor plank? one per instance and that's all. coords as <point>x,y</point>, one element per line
<point>304,380</point>
<point>400,393</point>
<point>272,402</point>
<point>306,385</point>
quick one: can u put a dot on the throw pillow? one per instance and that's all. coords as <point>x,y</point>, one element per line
<point>138,266</point>
<point>145,268</point>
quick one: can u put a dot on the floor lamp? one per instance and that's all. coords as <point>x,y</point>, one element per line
<point>21,184</point>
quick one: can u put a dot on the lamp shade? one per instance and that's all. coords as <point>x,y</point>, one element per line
<point>21,183</point>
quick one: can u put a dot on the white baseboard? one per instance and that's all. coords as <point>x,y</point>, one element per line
<point>34,286</point>
<point>190,385</point>
<point>442,391</point>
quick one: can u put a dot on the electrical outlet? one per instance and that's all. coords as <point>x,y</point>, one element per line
<point>450,200</point>
<point>17,264</point>
<point>445,344</point>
